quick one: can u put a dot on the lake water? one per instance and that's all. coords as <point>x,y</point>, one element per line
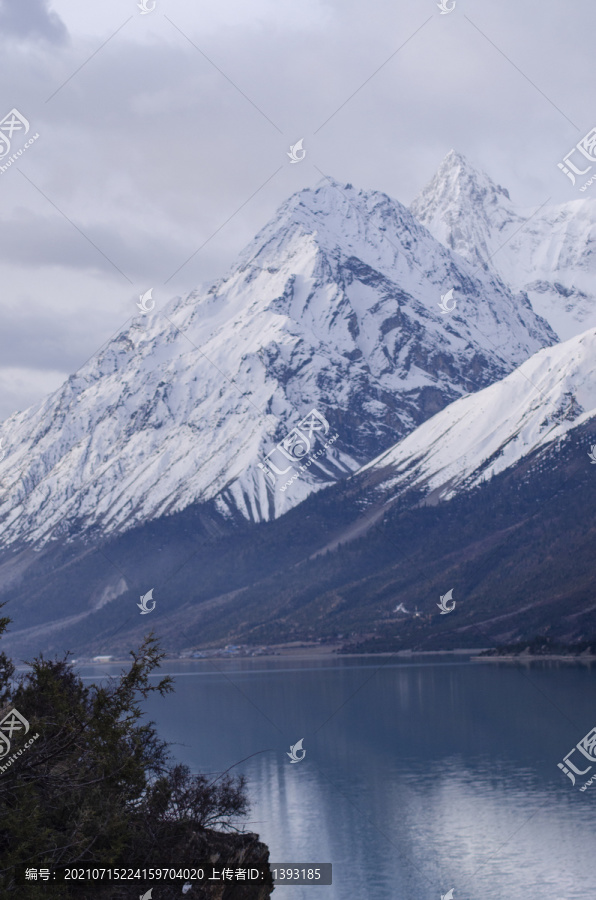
<point>419,776</point>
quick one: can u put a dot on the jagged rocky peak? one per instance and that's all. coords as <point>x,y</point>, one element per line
<point>457,182</point>
<point>453,202</point>
<point>546,251</point>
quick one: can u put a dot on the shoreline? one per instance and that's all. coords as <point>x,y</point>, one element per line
<point>329,651</point>
<point>306,653</point>
<point>555,657</point>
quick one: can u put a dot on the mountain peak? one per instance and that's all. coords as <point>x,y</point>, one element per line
<point>330,196</point>
<point>333,307</point>
<point>369,223</point>
<point>546,252</point>
<point>457,183</point>
<point>458,173</point>
<point>454,197</point>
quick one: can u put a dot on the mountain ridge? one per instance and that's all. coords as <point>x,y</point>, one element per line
<point>391,535</point>
<point>537,404</point>
<point>455,429</point>
<point>360,338</point>
<point>546,251</point>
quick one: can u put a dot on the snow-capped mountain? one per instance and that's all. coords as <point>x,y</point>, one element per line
<point>334,306</point>
<point>547,251</point>
<point>484,434</point>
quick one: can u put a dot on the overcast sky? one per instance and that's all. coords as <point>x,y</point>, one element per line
<point>163,132</point>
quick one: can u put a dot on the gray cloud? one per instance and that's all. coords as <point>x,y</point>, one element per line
<point>32,19</point>
<point>153,152</point>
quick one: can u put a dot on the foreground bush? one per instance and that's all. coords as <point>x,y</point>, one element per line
<point>97,787</point>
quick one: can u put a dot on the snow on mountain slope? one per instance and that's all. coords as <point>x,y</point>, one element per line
<point>548,252</point>
<point>333,305</point>
<point>481,435</point>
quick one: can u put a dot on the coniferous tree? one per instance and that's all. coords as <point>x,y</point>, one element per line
<point>97,788</point>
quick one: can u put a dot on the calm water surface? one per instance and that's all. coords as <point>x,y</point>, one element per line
<point>419,776</point>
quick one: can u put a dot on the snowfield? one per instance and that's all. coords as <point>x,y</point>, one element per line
<point>333,306</point>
